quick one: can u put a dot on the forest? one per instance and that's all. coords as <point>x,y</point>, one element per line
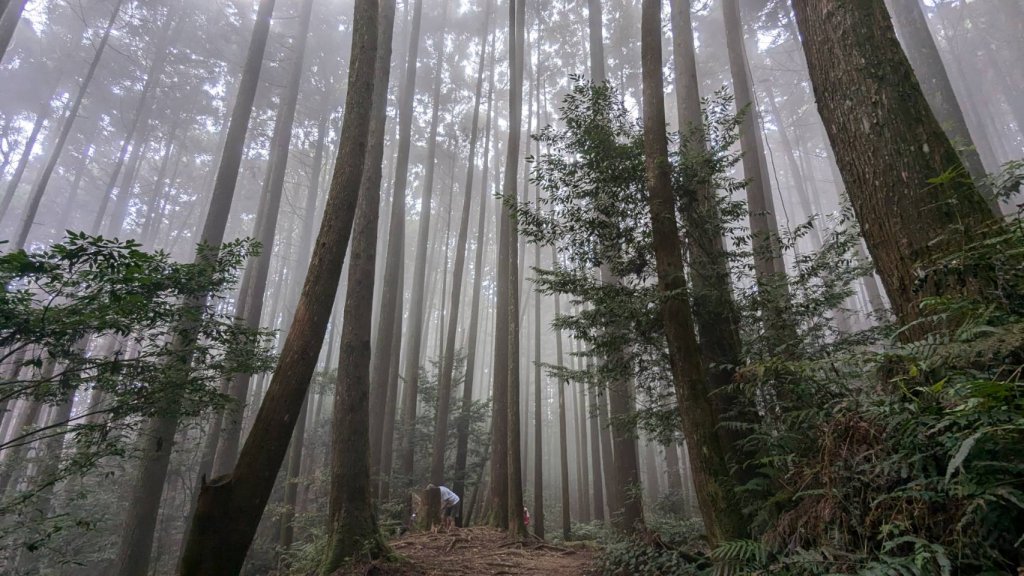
<point>482,287</point>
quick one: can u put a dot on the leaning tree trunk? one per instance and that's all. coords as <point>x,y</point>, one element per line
<point>448,363</point>
<point>231,506</point>
<point>352,520</point>
<point>889,146</point>
<point>722,519</point>
<point>29,216</point>
<point>158,436</point>
<point>252,292</point>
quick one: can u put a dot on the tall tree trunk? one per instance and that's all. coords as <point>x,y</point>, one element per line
<point>252,293</point>
<point>919,45</point>
<point>414,330</point>
<point>462,443</point>
<point>722,520</point>
<point>563,440</point>
<point>158,436</point>
<point>352,520</point>
<point>517,29</point>
<point>385,350</point>
<point>29,216</point>
<point>888,146</point>
<point>764,227</point>
<point>596,462</point>
<point>26,155</point>
<point>715,315</point>
<point>230,507</point>
<point>133,139</point>
<point>448,363</point>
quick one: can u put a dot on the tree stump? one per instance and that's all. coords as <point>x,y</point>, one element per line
<point>427,507</point>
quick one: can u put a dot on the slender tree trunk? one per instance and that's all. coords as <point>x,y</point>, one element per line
<point>889,146</point>
<point>252,293</point>
<point>414,330</point>
<point>462,443</point>
<point>764,227</point>
<point>389,327</point>
<point>722,520</point>
<point>26,155</point>
<point>563,440</point>
<point>715,315</point>
<point>28,218</point>
<point>230,507</point>
<point>158,436</point>
<point>448,364</point>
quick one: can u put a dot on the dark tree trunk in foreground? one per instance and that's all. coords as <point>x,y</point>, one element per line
<point>719,510</point>
<point>29,216</point>
<point>230,507</point>
<point>352,520</point>
<point>888,146</point>
<point>444,393</point>
<point>919,46</point>
<point>385,353</point>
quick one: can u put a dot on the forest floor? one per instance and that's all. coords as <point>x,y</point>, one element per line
<point>479,551</point>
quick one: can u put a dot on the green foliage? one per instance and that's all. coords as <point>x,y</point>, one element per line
<point>98,321</point>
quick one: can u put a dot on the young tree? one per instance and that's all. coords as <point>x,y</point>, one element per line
<point>230,507</point>
<point>722,519</point>
<point>889,147</point>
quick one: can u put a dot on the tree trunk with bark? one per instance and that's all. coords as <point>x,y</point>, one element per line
<point>722,518</point>
<point>230,507</point>
<point>352,519</point>
<point>889,146</point>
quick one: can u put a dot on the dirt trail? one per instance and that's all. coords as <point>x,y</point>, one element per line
<point>480,551</point>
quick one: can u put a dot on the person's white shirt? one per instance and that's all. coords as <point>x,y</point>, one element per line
<point>448,498</point>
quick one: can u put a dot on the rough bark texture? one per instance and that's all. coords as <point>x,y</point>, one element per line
<point>230,507</point>
<point>721,516</point>
<point>888,145</point>
<point>353,521</point>
<point>919,46</point>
